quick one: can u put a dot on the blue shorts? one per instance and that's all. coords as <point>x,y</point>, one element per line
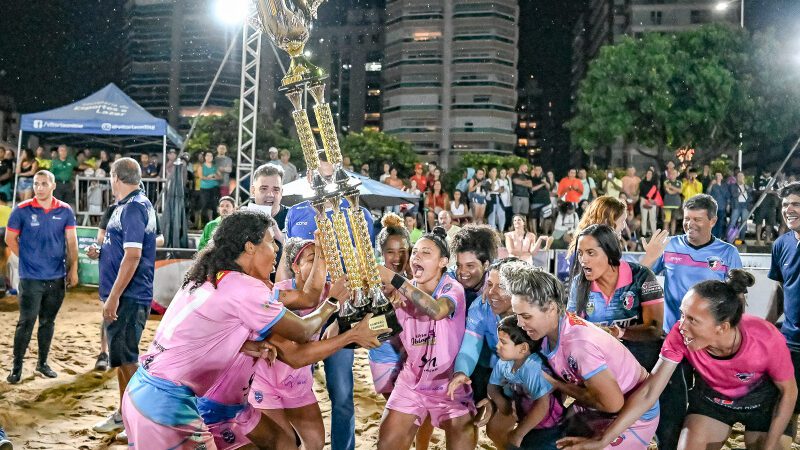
<point>125,333</point>
<point>479,199</point>
<point>24,183</point>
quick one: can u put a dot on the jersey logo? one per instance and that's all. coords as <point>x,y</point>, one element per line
<point>714,263</point>
<point>34,220</point>
<point>745,377</point>
<point>446,288</point>
<point>627,300</point>
<point>228,436</point>
<point>723,402</point>
<point>618,440</point>
<point>259,396</point>
<point>573,365</point>
<point>589,308</point>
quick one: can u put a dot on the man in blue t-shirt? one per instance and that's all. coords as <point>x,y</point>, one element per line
<point>687,260</point>
<point>300,223</point>
<point>127,268</point>
<point>41,232</point>
<point>785,269</point>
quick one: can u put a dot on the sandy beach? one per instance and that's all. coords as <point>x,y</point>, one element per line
<point>57,414</point>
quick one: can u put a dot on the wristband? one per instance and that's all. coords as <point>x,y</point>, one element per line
<point>333,301</point>
<point>397,281</point>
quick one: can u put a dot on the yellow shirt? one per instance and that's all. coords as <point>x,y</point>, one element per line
<point>5,212</point>
<point>44,164</point>
<point>691,188</point>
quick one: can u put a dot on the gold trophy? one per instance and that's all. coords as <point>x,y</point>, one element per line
<point>288,22</point>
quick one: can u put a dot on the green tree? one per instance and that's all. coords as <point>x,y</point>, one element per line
<point>376,148</point>
<point>700,88</point>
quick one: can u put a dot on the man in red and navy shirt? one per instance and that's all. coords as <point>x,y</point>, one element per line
<point>41,232</point>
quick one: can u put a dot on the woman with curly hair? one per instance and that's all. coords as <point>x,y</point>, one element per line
<point>224,309</point>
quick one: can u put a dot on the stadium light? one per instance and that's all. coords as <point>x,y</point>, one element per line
<point>231,12</point>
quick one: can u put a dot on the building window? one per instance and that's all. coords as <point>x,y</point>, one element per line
<point>481,98</point>
<point>422,36</point>
<point>373,92</point>
<point>655,17</point>
<point>374,66</point>
<point>522,142</point>
<point>372,116</point>
<point>700,16</point>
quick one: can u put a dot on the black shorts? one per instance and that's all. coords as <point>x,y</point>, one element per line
<point>540,439</point>
<point>480,382</point>
<point>125,333</point>
<point>765,213</point>
<point>754,410</point>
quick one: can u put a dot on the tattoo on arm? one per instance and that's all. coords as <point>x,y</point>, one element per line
<point>427,304</point>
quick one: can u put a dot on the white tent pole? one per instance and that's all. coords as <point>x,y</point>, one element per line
<point>16,177</point>
<point>164,159</point>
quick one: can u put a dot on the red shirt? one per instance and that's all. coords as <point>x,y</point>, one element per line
<point>422,181</point>
<point>572,195</point>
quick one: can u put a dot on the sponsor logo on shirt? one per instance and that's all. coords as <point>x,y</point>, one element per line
<point>745,377</point>
<point>619,440</point>
<point>424,339</point>
<point>259,396</point>
<point>723,402</point>
<point>589,308</point>
<point>446,288</point>
<point>34,220</point>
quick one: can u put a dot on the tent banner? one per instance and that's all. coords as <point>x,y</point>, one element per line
<point>88,269</point>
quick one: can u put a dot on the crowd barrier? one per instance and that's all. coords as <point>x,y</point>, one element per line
<point>84,211</point>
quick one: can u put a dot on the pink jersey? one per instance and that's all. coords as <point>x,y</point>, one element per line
<point>281,380</point>
<point>583,350</point>
<point>198,341</point>
<point>432,345</point>
<point>763,353</point>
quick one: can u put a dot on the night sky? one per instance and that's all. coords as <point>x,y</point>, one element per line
<point>56,51</point>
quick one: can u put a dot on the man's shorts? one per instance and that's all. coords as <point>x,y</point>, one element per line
<point>765,212</point>
<point>125,333</point>
<point>520,205</point>
<point>406,400</point>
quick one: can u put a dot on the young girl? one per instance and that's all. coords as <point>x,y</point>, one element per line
<point>517,379</point>
<point>432,309</point>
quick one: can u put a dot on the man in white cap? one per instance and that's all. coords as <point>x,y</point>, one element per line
<point>273,156</point>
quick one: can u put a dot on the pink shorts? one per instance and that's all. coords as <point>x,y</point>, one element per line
<point>145,434</point>
<point>439,407</point>
<point>384,375</point>
<point>636,437</point>
<point>232,434</point>
<point>281,387</point>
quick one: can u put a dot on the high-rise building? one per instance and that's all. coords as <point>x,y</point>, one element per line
<point>607,21</point>
<point>9,121</point>
<point>173,50</point>
<point>450,75</point>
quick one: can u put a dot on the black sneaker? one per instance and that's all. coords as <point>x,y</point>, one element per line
<point>45,370</point>
<point>5,444</point>
<point>15,375</point>
<point>102,362</point>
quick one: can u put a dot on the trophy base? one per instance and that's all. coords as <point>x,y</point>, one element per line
<point>376,322</point>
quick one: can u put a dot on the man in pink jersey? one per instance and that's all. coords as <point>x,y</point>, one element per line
<point>222,307</point>
<point>432,315</point>
<point>589,364</point>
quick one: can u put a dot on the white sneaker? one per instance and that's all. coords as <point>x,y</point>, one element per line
<point>122,436</point>
<point>111,424</point>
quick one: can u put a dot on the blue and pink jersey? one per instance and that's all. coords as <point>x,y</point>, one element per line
<point>763,354</point>
<point>637,286</point>
<point>685,265</point>
<point>583,350</point>
<point>432,345</point>
<point>210,325</point>
<point>527,385</point>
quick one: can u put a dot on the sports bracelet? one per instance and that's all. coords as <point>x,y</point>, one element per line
<point>333,301</point>
<point>397,281</point>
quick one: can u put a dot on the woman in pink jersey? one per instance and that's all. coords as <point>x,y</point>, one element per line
<point>432,310</point>
<point>223,307</point>
<point>588,364</point>
<point>281,392</point>
<point>743,373</point>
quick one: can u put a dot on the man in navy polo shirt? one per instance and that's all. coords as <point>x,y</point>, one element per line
<point>785,269</point>
<point>41,232</point>
<point>339,366</point>
<point>127,266</point>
